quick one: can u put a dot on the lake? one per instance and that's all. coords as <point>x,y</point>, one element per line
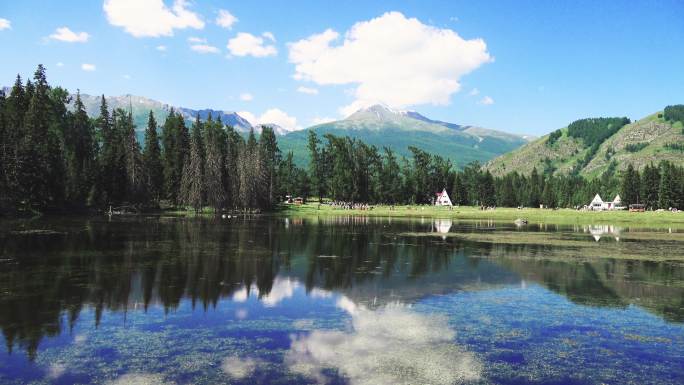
<point>338,300</point>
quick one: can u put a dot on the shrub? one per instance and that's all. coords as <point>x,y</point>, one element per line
<point>635,147</point>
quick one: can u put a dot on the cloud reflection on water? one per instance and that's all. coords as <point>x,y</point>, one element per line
<point>390,345</point>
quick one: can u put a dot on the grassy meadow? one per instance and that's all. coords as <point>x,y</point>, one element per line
<point>532,215</point>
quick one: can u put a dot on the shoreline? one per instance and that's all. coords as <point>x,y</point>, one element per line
<point>532,215</point>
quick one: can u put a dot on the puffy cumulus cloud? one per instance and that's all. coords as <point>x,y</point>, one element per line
<point>246,97</point>
<point>88,67</point>
<point>486,101</point>
<point>391,59</point>
<point>196,40</point>
<point>272,116</point>
<point>204,48</point>
<point>225,19</point>
<point>392,345</point>
<point>307,90</point>
<point>150,18</point>
<point>161,48</point>
<point>246,44</point>
<point>69,36</point>
<point>140,379</point>
<point>5,24</point>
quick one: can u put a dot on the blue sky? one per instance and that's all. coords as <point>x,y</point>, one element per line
<point>527,67</point>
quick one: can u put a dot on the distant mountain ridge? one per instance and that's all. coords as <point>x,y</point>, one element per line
<point>141,106</point>
<point>382,126</point>
<point>377,125</point>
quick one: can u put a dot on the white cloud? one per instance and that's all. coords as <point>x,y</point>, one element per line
<point>88,67</point>
<point>204,48</point>
<point>272,116</point>
<point>308,90</point>
<point>246,44</point>
<point>239,368</point>
<point>487,101</point>
<point>5,24</point>
<point>126,76</point>
<point>252,119</point>
<point>318,120</point>
<point>246,97</point>
<point>391,59</point>
<point>69,36</point>
<point>393,345</point>
<point>196,40</point>
<point>60,64</point>
<point>140,379</point>
<point>161,48</point>
<point>225,19</point>
<point>269,36</point>
<point>55,371</point>
<point>150,18</point>
<point>474,92</point>
<point>241,295</point>
<point>282,288</point>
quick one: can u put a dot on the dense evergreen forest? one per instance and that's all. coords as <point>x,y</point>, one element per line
<point>56,159</point>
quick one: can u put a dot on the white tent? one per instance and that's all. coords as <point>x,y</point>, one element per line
<point>442,199</point>
<point>596,203</point>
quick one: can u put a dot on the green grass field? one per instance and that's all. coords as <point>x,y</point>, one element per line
<point>561,216</point>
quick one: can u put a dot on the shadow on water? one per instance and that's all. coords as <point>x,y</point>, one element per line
<point>48,277</point>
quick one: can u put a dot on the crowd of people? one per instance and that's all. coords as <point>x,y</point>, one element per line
<point>350,205</point>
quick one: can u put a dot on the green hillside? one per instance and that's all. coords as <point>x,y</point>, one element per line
<point>651,139</point>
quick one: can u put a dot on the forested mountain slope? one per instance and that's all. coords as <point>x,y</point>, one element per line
<point>590,147</point>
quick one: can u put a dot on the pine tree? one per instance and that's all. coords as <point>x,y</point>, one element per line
<point>176,148</point>
<point>106,155</point>
<point>315,164</point>
<point>487,193</point>
<point>288,174</point>
<point>269,159</point>
<point>248,165</point>
<point>548,197</point>
<point>650,186</point>
<point>4,149</point>
<point>80,149</point>
<point>33,162</point>
<point>459,193</point>
<point>535,189</point>
<point>152,162</point>
<point>630,186</point>
<point>234,144</point>
<point>192,184</point>
<point>666,190</point>
<point>16,106</point>
<point>215,145</point>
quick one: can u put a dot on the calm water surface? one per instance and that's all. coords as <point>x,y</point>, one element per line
<point>336,300</point>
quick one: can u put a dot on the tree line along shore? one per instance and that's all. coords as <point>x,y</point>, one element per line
<point>59,159</point>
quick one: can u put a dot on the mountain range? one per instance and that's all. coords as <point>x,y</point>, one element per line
<point>376,125</point>
<point>386,127</point>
